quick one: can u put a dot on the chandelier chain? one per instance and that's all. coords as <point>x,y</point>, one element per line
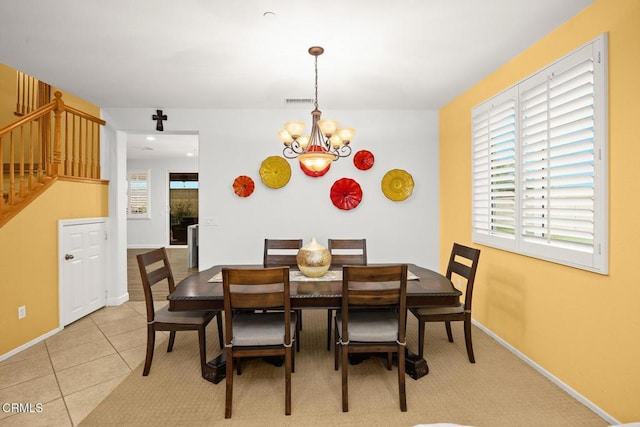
<point>316,98</point>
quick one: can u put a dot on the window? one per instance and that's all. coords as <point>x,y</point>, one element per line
<point>138,195</point>
<point>539,163</point>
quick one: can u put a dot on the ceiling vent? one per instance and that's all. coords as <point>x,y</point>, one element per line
<point>298,101</point>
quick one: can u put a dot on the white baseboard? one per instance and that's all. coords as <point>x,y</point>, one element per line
<point>580,398</point>
<point>29,344</point>
<point>119,300</point>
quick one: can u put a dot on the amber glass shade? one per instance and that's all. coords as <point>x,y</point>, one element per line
<point>285,137</point>
<point>346,134</point>
<point>327,126</point>
<point>316,161</point>
<point>294,129</point>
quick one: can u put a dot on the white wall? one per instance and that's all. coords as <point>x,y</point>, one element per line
<point>154,232</point>
<point>235,142</point>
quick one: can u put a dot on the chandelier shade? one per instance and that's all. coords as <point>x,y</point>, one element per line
<point>324,144</point>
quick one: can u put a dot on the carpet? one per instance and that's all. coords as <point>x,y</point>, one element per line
<point>498,390</point>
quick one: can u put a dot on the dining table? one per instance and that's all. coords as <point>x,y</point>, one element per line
<point>202,290</point>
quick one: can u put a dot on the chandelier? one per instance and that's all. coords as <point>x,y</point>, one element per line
<point>324,144</point>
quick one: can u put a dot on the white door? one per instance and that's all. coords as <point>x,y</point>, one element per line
<point>82,255</point>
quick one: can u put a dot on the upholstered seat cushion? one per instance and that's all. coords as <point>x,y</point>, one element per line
<point>189,317</point>
<point>257,329</point>
<point>440,310</point>
<point>370,326</point>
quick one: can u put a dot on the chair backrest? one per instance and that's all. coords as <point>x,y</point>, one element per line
<point>255,289</point>
<point>375,286</point>
<point>466,270</point>
<point>154,267</point>
<point>348,251</point>
<point>281,252</point>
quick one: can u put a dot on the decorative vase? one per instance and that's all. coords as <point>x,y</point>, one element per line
<point>313,259</point>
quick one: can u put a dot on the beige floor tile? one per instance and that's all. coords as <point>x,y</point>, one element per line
<point>83,322</point>
<point>69,357</point>
<point>91,373</point>
<point>135,356</point>
<point>36,350</point>
<point>139,306</point>
<point>130,339</point>
<point>109,314</point>
<point>121,326</point>
<point>73,338</point>
<point>53,413</point>
<point>81,403</point>
<point>25,370</point>
<point>39,390</point>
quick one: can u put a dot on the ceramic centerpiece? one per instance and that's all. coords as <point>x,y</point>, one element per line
<point>313,259</point>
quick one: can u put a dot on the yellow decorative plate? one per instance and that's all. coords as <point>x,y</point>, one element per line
<point>397,185</point>
<point>275,172</point>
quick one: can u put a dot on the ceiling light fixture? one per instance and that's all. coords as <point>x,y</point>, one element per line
<point>324,144</point>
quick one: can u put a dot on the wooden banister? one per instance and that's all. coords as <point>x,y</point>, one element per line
<point>53,140</point>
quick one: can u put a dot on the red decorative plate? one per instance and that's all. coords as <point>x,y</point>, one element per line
<point>314,174</point>
<point>346,194</point>
<point>363,160</point>
<point>243,186</point>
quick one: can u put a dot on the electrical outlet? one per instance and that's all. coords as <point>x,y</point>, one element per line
<point>22,312</point>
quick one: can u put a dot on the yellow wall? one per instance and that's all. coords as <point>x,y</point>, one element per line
<point>29,258</point>
<point>584,328</point>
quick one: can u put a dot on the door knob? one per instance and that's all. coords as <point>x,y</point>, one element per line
<point>68,257</point>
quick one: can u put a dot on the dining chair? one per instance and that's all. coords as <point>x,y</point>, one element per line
<point>282,252</point>
<point>344,252</point>
<point>155,268</point>
<point>463,262</point>
<point>372,319</point>
<point>252,332</point>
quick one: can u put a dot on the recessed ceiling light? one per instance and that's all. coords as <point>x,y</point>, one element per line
<point>189,154</point>
<point>150,138</point>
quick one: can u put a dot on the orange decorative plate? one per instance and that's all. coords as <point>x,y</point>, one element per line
<point>346,194</point>
<point>397,185</point>
<point>275,172</point>
<point>363,160</point>
<point>243,186</point>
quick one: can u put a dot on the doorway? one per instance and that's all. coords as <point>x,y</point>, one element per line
<point>183,205</point>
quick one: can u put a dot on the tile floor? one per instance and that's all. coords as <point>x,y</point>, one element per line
<point>71,372</point>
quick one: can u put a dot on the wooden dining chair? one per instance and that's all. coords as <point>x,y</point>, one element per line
<point>252,332</point>
<point>463,262</point>
<point>344,252</point>
<point>279,253</point>
<point>155,268</point>
<point>372,319</point>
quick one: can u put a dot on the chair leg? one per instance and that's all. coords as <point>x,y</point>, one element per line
<point>203,348</point>
<point>336,348</point>
<point>345,385</point>
<point>287,380</point>
<point>220,333</point>
<point>329,328</point>
<point>447,325</point>
<point>172,339</point>
<point>467,340</point>
<point>229,385</point>
<point>151,342</point>
<point>421,325</point>
<point>401,379</point>
<point>389,360</point>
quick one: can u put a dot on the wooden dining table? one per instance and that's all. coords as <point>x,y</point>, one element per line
<point>199,292</point>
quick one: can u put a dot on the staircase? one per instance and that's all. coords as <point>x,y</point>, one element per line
<point>53,142</point>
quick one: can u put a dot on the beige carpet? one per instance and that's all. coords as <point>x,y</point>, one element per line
<point>499,390</point>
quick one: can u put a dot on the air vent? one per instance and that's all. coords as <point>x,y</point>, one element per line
<point>298,101</point>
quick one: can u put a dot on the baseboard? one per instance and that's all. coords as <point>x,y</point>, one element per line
<point>29,344</point>
<point>119,300</point>
<point>580,398</point>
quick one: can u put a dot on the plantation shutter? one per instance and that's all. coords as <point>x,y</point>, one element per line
<point>138,194</point>
<point>557,155</point>
<point>494,130</point>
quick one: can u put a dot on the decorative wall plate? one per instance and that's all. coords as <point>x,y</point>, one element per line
<point>363,160</point>
<point>346,194</point>
<point>397,185</point>
<point>243,186</point>
<point>275,172</point>
<point>314,174</point>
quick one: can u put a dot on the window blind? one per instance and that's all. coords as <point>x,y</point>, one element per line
<point>138,194</point>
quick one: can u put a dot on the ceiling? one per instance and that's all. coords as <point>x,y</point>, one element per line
<point>379,54</point>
